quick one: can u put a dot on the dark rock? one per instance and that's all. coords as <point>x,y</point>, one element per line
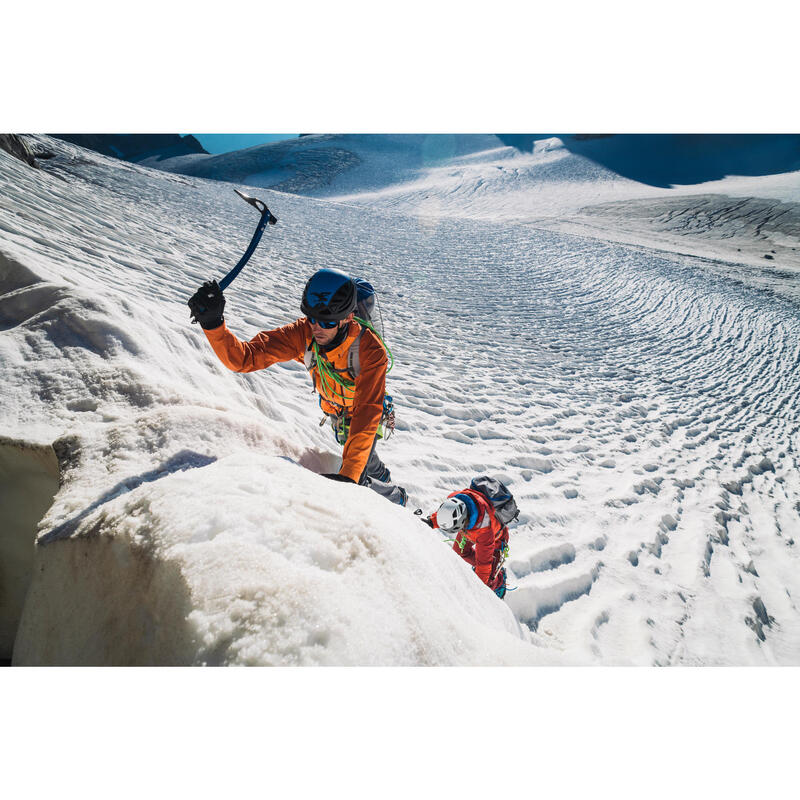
<point>756,626</point>
<point>19,147</point>
<point>761,612</point>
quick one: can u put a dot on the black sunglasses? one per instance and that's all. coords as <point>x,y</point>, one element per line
<point>323,323</point>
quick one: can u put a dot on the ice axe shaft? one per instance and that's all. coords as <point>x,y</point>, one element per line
<point>266,217</point>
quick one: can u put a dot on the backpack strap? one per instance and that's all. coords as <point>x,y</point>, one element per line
<point>312,358</point>
<point>484,505</point>
<point>309,357</point>
<point>354,355</point>
<point>367,324</point>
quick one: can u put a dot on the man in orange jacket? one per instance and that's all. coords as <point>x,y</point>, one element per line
<point>346,360</point>
<point>481,539</point>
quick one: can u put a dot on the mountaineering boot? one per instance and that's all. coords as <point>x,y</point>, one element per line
<point>378,477</point>
<point>392,492</point>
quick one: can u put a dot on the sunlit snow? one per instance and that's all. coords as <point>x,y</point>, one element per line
<point>634,383</point>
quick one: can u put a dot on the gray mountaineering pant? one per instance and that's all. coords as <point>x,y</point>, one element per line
<point>376,475</point>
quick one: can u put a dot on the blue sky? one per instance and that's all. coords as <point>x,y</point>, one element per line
<point>225,142</point>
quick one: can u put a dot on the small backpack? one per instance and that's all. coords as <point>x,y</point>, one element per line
<point>503,503</point>
<point>368,316</point>
<point>366,307</point>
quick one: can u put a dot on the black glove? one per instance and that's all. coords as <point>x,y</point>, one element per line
<point>335,476</point>
<point>207,305</point>
<point>426,520</point>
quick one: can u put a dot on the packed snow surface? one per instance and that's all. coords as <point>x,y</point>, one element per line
<point>639,398</point>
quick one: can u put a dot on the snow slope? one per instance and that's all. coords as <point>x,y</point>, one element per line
<point>657,190</point>
<point>641,405</point>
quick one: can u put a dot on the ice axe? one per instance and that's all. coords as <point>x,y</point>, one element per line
<point>266,217</point>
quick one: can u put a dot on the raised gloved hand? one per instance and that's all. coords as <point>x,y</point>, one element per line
<point>207,305</point>
<point>335,476</point>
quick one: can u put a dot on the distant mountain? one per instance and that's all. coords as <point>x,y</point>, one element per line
<point>484,167</point>
<point>136,146</point>
<point>323,165</point>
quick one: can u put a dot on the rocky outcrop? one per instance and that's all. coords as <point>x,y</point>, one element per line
<point>19,147</point>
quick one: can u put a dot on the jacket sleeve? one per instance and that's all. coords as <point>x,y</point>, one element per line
<point>263,350</point>
<point>484,554</point>
<point>367,407</point>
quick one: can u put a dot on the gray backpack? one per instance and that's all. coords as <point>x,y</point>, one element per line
<point>503,503</point>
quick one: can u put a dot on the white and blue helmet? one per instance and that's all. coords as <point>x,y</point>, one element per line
<point>452,515</point>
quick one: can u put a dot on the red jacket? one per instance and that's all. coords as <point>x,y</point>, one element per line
<point>477,544</point>
<point>364,403</point>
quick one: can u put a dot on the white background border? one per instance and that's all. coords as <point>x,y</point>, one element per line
<point>409,67</point>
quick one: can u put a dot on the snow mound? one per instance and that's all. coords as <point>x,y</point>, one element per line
<point>253,560</point>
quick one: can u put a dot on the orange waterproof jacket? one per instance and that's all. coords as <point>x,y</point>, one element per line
<point>363,404</point>
<point>477,544</point>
